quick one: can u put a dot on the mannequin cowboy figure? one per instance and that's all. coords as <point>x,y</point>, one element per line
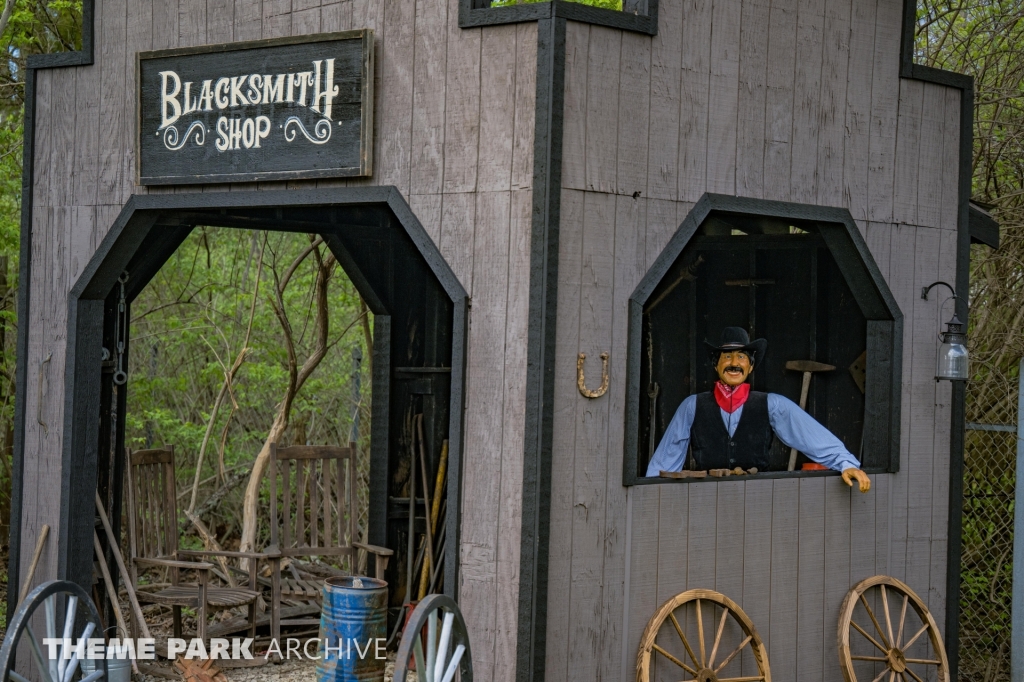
<point>732,426</point>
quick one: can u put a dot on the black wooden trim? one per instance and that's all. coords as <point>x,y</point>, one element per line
<point>958,416</point>
<point>20,381</point>
<point>471,15</point>
<point>81,436</point>
<point>983,227</point>
<point>379,420</point>
<point>355,273</point>
<point>456,462</point>
<point>540,377</point>
<point>841,236</point>
<point>81,57</point>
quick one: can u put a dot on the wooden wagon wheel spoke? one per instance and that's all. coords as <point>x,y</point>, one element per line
<point>704,667</point>
<point>892,650</point>
<point>914,675</point>
<point>718,638</point>
<point>674,659</point>
<point>913,639</point>
<point>888,621</point>
<point>878,628</point>
<point>700,634</point>
<point>37,654</point>
<point>869,637</point>
<point>686,644</point>
<point>734,654</point>
<point>903,619</point>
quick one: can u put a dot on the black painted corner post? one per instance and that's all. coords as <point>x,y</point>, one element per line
<point>543,303</point>
<point>82,378</point>
<point>958,416</point>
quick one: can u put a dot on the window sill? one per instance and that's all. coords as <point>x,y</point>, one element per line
<point>470,17</point>
<point>748,477</point>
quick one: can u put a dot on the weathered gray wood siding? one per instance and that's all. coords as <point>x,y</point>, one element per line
<point>455,125</point>
<point>795,100</point>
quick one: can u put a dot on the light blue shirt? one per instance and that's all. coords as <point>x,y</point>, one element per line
<point>791,425</point>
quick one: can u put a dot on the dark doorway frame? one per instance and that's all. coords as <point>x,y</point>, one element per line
<point>353,223</point>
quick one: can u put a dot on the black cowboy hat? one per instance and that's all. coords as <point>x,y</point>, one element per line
<point>736,338</point>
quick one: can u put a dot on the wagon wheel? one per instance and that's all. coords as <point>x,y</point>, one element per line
<point>436,639</point>
<point>898,649</point>
<point>59,599</point>
<point>731,629</point>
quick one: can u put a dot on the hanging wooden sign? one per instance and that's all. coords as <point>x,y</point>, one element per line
<point>278,109</point>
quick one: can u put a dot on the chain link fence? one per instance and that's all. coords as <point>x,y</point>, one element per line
<point>990,455</point>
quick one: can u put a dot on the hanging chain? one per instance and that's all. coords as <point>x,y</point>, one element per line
<point>121,332</point>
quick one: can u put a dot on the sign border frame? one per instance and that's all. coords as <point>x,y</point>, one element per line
<point>365,168</point>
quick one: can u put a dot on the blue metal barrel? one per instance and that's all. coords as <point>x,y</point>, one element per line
<point>353,630</point>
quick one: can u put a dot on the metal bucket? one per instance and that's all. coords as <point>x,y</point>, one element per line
<point>118,669</point>
<point>354,618</point>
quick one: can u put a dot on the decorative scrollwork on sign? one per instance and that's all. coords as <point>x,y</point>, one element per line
<point>581,383</point>
<point>172,142</point>
<point>321,131</point>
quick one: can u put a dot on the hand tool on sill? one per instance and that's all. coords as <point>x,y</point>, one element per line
<point>808,367</point>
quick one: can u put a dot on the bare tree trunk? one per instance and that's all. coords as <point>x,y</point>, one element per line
<point>296,378</point>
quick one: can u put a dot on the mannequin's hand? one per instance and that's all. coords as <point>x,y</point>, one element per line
<point>850,474</point>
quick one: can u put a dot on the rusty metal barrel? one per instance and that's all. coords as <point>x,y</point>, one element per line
<point>353,630</point>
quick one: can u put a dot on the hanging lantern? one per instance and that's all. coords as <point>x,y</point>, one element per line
<point>952,362</point>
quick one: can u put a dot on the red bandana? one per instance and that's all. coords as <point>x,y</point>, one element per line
<point>729,398</point>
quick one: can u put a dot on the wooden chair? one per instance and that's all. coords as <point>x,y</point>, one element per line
<point>315,516</point>
<point>153,539</point>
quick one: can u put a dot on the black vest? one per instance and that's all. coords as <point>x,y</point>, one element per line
<point>750,445</point>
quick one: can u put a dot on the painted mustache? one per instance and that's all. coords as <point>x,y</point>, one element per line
<point>733,368</point>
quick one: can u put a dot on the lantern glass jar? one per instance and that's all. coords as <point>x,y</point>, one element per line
<point>952,362</point>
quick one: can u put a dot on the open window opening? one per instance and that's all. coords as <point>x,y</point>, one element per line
<point>802,279</point>
<point>211,323</point>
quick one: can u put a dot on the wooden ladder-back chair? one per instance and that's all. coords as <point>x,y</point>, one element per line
<point>315,516</point>
<point>153,539</point>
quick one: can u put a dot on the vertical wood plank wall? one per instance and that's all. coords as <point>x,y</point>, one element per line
<point>795,100</point>
<point>454,132</point>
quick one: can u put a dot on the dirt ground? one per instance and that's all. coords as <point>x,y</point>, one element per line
<point>295,670</point>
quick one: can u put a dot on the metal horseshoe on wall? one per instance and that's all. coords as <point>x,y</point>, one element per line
<point>581,382</point>
<point>39,394</point>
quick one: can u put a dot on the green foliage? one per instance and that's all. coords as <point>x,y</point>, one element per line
<point>188,327</point>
